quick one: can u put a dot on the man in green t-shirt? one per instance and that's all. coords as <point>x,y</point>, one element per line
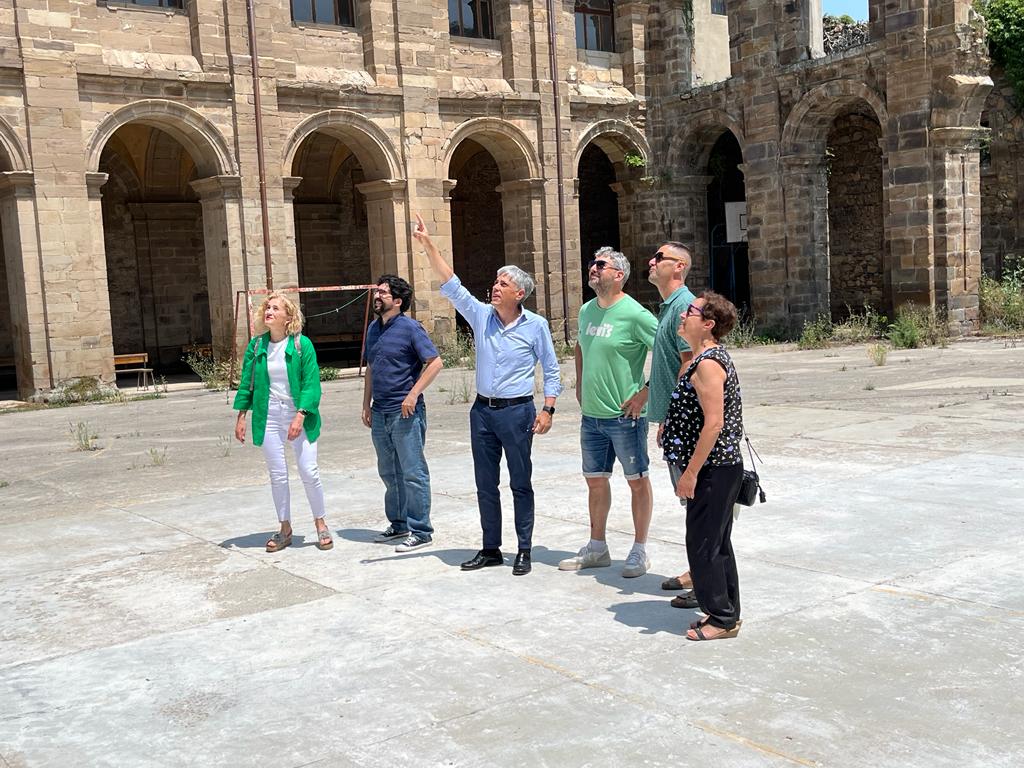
<point>615,335</point>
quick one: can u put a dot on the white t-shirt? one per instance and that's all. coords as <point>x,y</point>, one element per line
<point>278,372</point>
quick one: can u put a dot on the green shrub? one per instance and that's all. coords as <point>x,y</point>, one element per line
<point>817,333</point>
<point>214,373</point>
<point>917,327</point>
<point>85,389</point>
<point>1002,301</point>
<point>327,373</point>
<point>878,353</point>
<point>457,350</point>
<point>744,335</point>
<point>859,327</point>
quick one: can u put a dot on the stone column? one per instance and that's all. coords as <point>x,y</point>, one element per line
<point>386,224</point>
<point>221,198</point>
<point>805,187</point>
<point>99,299</point>
<point>957,185</point>
<point>688,196</point>
<point>522,208</point>
<point>630,25</point>
<point>25,290</point>
<point>291,254</point>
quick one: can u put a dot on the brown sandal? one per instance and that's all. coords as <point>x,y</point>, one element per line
<point>723,634</point>
<point>278,542</point>
<point>324,540</point>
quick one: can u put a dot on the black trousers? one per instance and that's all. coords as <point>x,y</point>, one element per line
<point>716,584</point>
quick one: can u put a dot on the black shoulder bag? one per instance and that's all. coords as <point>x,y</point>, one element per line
<point>750,488</point>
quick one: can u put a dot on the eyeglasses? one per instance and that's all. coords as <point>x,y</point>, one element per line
<point>660,257</point>
<point>693,309</point>
<point>597,264</point>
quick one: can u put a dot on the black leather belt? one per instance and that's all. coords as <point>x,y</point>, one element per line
<point>502,402</point>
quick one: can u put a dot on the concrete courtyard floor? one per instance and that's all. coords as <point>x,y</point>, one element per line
<point>883,591</point>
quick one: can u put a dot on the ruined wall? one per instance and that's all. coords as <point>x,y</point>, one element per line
<point>1002,178</point>
<point>855,215</point>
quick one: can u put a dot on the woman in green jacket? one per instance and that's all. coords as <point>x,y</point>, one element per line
<point>281,385</point>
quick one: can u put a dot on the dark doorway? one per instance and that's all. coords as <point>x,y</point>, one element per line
<point>729,266</point>
<point>478,237</point>
<point>599,207</point>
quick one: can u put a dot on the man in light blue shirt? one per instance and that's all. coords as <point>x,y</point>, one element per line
<point>510,341</point>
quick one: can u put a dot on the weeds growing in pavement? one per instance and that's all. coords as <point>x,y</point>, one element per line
<point>82,436</point>
<point>878,353</point>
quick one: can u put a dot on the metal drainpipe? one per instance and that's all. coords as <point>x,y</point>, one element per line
<point>254,56</point>
<point>552,51</point>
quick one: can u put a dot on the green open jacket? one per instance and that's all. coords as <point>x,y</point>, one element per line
<point>303,382</point>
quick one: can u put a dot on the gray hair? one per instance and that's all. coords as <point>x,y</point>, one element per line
<point>520,277</point>
<point>617,259</point>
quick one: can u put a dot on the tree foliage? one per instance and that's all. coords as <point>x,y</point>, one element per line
<point>1005,22</point>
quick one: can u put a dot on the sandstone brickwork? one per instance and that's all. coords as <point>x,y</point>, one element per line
<point>129,185</point>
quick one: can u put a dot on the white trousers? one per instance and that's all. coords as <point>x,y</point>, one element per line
<point>279,417</point>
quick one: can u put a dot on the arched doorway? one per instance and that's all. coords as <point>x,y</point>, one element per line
<point>598,206</point>
<point>857,275</point>
<point>332,243</point>
<point>728,256</point>
<point>478,235</point>
<point>154,243</point>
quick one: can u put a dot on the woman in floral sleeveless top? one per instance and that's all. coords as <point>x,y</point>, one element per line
<point>701,437</point>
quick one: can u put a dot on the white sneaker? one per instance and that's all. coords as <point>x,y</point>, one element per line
<point>586,558</point>
<point>637,564</point>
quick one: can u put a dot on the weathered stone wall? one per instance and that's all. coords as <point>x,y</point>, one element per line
<point>1002,178</point>
<point>6,331</point>
<point>855,215</point>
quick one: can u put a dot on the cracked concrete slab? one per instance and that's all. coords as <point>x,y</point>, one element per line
<point>882,591</point>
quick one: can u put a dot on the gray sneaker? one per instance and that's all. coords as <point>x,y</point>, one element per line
<point>586,558</point>
<point>637,564</point>
<point>413,542</point>
<point>390,534</point>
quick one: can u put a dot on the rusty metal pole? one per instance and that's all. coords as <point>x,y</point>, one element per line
<point>555,94</point>
<point>265,218</point>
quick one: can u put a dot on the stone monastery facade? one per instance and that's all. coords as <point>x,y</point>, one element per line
<point>130,205</point>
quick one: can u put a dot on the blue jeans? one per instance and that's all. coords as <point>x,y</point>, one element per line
<point>509,430</point>
<point>604,440</point>
<point>403,468</point>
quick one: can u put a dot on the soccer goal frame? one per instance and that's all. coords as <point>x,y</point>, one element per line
<point>250,319</point>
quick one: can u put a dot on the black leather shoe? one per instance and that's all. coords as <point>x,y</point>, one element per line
<point>483,559</point>
<point>522,565</point>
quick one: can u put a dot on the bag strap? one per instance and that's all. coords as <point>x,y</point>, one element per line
<point>752,453</point>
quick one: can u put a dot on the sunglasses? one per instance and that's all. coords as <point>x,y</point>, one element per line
<point>660,257</point>
<point>598,264</point>
<point>693,309</point>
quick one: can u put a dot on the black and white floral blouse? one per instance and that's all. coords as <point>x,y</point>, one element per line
<point>685,418</point>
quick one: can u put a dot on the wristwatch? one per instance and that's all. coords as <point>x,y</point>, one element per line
<point>549,410</point>
<point>304,412</point>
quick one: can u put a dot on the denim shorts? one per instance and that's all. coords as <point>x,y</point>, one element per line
<point>604,440</point>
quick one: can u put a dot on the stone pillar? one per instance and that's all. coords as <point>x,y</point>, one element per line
<point>768,246</point>
<point>99,301</point>
<point>690,200</point>
<point>288,186</point>
<point>957,185</point>
<point>388,230</point>
<point>677,52</point>
<point>799,31</point>
<point>221,198</point>
<point>631,238</point>
<point>805,187</point>
<point>522,208</point>
<point>630,28</point>
<point>25,290</point>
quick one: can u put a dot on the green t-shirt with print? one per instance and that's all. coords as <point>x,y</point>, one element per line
<point>615,342</point>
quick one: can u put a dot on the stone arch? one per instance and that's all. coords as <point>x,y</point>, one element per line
<point>12,156</point>
<point>200,138</point>
<point>809,122</point>
<point>367,140</point>
<point>616,139</point>
<point>511,148</point>
<point>690,148</point>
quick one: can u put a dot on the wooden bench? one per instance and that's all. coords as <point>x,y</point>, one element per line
<point>143,372</point>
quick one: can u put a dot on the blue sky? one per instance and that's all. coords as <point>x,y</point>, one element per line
<point>856,8</point>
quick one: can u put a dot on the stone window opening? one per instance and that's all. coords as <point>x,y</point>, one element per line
<point>718,8</point>
<point>166,5</point>
<point>595,25</point>
<point>471,18</point>
<point>335,13</point>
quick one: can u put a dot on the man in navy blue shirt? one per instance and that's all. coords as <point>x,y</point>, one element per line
<point>402,361</point>
<point>510,342</point>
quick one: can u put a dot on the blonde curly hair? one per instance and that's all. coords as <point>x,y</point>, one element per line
<point>295,319</point>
